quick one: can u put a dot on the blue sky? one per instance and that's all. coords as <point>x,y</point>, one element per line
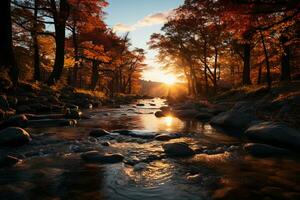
<point>141,18</point>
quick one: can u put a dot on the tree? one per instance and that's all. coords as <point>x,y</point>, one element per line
<point>7,58</point>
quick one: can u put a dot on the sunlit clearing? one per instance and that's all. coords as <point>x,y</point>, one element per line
<point>168,121</point>
<point>169,80</point>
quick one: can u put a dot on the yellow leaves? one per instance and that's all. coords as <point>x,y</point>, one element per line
<point>69,62</point>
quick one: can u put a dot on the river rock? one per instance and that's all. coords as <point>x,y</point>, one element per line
<point>233,120</point>
<point>7,161</point>
<point>3,102</point>
<point>95,156</point>
<point>179,149</point>
<point>17,121</point>
<point>14,136</point>
<point>99,133</point>
<point>274,133</point>
<point>159,114</point>
<point>166,137</point>
<point>51,123</point>
<point>244,106</point>
<point>264,150</point>
<point>73,114</point>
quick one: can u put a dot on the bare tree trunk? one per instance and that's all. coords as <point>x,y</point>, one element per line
<point>36,49</point>
<point>60,31</point>
<point>7,57</point>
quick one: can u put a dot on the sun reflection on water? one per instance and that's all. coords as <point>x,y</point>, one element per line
<point>168,121</point>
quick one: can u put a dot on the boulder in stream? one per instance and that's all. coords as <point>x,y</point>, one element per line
<point>16,121</point>
<point>264,150</point>
<point>166,137</point>
<point>7,161</point>
<point>51,123</point>
<point>274,133</point>
<point>233,120</point>
<point>99,133</point>
<point>95,156</point>
<point>14,136</point>
<point>159,114</point>
<point>178,149</point>
<point>73,114</point>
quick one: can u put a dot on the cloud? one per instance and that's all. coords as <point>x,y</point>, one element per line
<point>123,27</point>
<point>150,20</point>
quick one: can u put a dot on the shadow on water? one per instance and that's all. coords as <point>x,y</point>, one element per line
<point>54,169</point>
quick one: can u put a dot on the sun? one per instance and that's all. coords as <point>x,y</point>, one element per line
<point>169,80</point>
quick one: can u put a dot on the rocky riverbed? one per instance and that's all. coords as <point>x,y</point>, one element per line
<point>148,150</point>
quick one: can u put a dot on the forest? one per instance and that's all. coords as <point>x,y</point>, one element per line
<point>67,43</point>
<point>139,99</point>
<point>231,43</point>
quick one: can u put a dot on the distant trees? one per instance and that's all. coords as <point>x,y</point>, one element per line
<point>224,41</point>
<point>66,42</point>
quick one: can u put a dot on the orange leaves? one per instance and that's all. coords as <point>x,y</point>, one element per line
<point>94,52</point>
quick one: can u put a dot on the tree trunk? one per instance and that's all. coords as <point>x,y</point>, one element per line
<point>215,71</point>
<point>285,60</point>
<point>259,75</point>
<point>7,58</point>
<point>76,57</point>
<point>269,80</point>
<point>36,49</point>
<point>246,69</point>
<point>60,30</point>
<point>95,75</point>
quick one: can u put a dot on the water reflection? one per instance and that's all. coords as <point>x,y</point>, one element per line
<point>169,121</point>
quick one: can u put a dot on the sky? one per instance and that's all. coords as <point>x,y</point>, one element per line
<point>141,18</point>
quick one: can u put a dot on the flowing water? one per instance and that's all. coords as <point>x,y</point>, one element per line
<point>52,167</point>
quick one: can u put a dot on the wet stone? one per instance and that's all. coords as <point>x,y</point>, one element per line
<point>264,150</point>
<point>7,161</point>
<point>179,149</point>
<point>14,136</point>
<point>15,121</point>
<point>51,123</point>
<point>166,137</point>
<point>159,114</point>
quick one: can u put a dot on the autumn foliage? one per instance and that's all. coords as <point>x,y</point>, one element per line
<point>217,44</point>
<point>67,42</point>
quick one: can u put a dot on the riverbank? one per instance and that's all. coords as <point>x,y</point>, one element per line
<point>268,118</point>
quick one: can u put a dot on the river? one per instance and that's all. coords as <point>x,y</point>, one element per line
<point>52,167</point>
